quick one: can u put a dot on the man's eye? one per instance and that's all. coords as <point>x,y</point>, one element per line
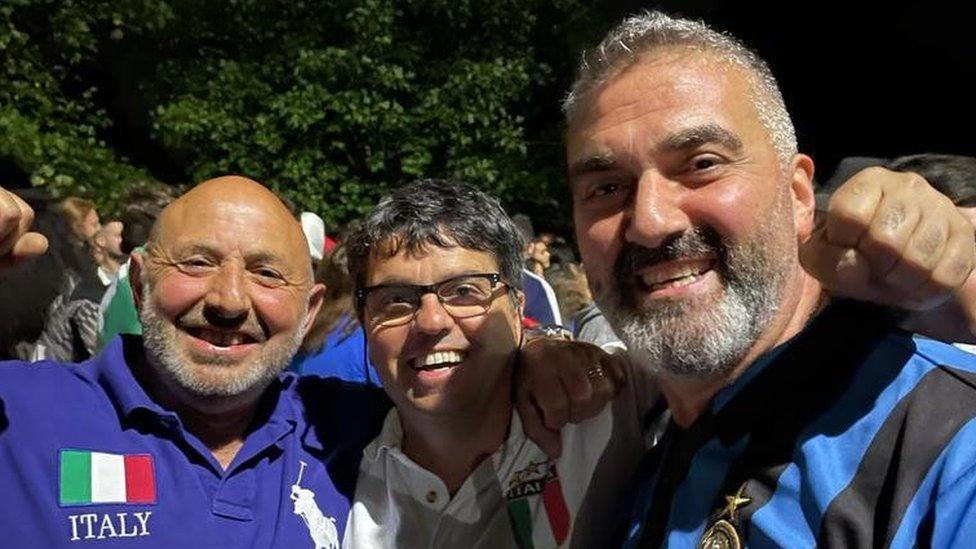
<point>606,189</point>
<point>465,290</point>
<point>704,162</point>
<point>195,264</point>
<point>397,298</point>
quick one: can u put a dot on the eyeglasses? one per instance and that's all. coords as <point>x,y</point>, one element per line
<point>462,297</point>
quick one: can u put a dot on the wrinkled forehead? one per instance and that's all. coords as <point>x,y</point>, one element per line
<point>233,225</point>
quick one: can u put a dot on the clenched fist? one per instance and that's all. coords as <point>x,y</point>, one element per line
<point>890,238</point>
<point>17,244</point>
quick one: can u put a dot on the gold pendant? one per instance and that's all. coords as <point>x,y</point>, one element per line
<point>722,533</point>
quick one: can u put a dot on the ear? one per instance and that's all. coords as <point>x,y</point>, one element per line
<point>315,298</point>
<point>519,303</point>
<point>137,269</point>
<point>801,191</point>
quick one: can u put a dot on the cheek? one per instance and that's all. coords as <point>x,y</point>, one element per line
<point>384,347</point>
<point>176,294</point>
<point>279,309</point>
<point>733,208</point>
<point>599,243</point>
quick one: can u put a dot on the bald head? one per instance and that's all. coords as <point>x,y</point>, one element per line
<point>229,197</point>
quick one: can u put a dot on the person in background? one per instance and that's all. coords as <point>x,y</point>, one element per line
<point>81,216</point>
<point>336,345</point>
<point>541,305</point>
<point>28,289</point>
<point>572,290</point>
<point>141,207</point>
<point>71,329</point>
<point>107,251</point>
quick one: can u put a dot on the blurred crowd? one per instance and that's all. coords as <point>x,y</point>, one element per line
<point>70,302</point>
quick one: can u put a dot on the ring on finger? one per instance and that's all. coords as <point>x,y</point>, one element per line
<point>594,372</point>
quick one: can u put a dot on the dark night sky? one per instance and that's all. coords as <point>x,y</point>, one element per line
<point>858,79</point>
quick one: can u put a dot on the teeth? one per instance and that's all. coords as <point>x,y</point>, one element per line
<point>222,339</point>
<point>674,283</point>
<point>680,275</point>
<point>442,357</point>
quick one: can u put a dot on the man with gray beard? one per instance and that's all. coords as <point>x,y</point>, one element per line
<point>794,422</point>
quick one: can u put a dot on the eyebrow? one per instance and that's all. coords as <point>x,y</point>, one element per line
<point>201,249</point>
<point>688,138</point>
<point>599,162</point>
<point>697,136</point>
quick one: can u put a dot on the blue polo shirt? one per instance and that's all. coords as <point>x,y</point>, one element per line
<point>88,460</point>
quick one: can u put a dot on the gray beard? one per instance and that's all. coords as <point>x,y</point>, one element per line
<point>159,341</point>
<point>695,339</point>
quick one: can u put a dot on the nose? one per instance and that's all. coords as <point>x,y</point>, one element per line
<point>431,317</point>
<point>227,296</point>
<point>656,213</point>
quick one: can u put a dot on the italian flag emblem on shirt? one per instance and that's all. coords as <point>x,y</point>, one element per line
<point>95,477</point>
<point>536,508</point>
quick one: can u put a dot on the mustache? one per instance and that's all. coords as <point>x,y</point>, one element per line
<point>696,242</point>
<point>205,318</point>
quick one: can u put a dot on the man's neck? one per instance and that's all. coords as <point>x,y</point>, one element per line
<point>221,423</point>
<point>453,445</point>
<point>689,398</point>
<point>110,265</point>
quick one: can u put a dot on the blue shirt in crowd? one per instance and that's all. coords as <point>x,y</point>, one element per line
<point>87,459</point>
<point>343,356</point>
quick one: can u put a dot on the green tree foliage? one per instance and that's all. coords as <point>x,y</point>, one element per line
<point>330,102</point>
<point>50,122</point>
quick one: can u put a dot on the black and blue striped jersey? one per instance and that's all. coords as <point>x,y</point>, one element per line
<point>853,434</point>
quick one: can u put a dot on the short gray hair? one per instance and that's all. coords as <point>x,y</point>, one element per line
<point>639,34</point>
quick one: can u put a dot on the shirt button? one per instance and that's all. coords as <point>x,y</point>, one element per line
<point>431,496</point>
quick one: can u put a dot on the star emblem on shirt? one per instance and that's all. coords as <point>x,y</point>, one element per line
<point>734,502</point>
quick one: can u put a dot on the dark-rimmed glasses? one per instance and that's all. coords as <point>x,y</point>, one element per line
<point>463,296</point>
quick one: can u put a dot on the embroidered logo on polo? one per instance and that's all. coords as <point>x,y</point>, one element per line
<point>92,478</point>
<point>538,480</point>
<point>98,478</point>
<point>321,528</point>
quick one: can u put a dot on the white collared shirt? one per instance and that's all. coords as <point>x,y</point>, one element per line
<point>517,491</point>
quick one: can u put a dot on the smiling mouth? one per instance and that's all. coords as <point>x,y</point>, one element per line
<point>674,274</point>
<point>219,338</point>
<point>437,360</point>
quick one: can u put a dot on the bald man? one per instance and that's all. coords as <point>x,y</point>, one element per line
<point>188,436</point>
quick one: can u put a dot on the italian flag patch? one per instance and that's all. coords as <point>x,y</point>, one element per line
<point>95,477</point>
<point>536,508</point>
